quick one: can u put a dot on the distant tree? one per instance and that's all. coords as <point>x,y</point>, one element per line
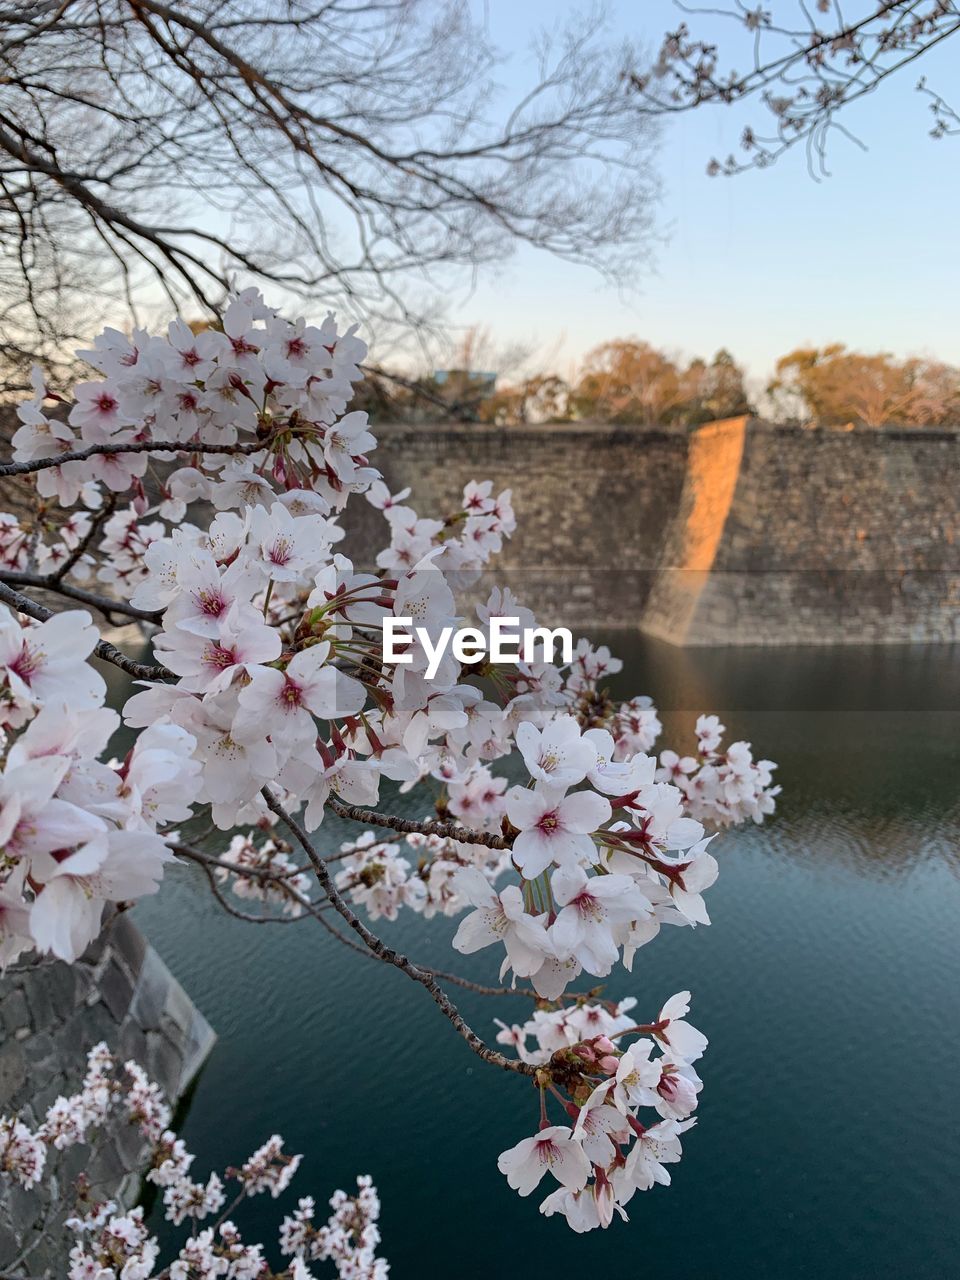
<point>544,397</point>
<point>806,63</point>
<point>631,382</point>
<point>628,381</point>
<point>715,390</point>
<point>349,153</point>
<point>834,385</point>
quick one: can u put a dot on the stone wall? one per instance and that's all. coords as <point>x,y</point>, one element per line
<point>50,1015</point>
<point>825,535</point>
<point>592,502</point>
<point>737,532</point>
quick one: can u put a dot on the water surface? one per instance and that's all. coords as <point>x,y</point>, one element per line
<point>828,984</point>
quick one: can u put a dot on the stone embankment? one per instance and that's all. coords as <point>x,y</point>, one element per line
<point>737,532</point>
<point>50,1015</point>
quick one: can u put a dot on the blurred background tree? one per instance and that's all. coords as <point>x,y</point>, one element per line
<point>631,382</point>
<point>804,61</point>
<point>345,154</point>
<point>834,385</point>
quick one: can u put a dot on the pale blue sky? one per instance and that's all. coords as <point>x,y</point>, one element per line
<point>766,261</point>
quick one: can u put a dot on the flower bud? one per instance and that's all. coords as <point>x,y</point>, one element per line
<point>678,1092</point>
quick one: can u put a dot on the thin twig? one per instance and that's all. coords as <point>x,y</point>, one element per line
<point>379,948</point>
<point>104,605</point>
<point>426,827</point>
<point>140,446</point>
<point>103,648</point>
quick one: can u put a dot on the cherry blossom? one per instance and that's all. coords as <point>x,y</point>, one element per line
<point>554,827</point>
<point>114,1243</point>
<point>553,1150</point>
<point>532,808</point>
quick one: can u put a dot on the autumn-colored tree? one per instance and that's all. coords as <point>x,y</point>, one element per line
<point>631,382</point>
<point>834,385</point>
<point>715,390</point>
<point>628,381</point>
<point>545,397</point>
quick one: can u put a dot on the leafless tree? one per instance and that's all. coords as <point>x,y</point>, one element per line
<point>346,152</point>
<point>809,61</point>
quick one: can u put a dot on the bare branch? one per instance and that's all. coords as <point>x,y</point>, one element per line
<point>103,649</point>
<point>388,955</point>
<point>426,827</point>
<point>805,73</point>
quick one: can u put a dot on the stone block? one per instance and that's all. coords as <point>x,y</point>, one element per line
<point>61,983</point>
<point>13,1069</point>
<point>14,1012</point>
<point>150,994</point>
<point>116,988</point>
<point>132,1042</point>
<point>163,1063</point>
<point>9,1244</point>
<point>129,942</point>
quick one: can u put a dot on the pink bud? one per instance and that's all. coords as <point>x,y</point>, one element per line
<point>585,1052</point>
<point>609,1065</point>
<point>604,1045</point>
<point>679,1092</point>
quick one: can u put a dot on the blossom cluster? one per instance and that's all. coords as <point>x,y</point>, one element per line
<point>721,787</point>
<point>606,1154</point>
<point>75,832</point>
<point>264,872</point>
<point>214,467</point>
<point>115,1244</point>
<point>349,1238</point>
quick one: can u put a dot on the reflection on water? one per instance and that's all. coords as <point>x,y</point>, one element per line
<point>828,985</point>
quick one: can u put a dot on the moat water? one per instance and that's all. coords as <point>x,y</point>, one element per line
<point>828,983</point>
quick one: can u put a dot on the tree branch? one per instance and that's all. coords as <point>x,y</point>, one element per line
<point>134,446</point>
<point>103,648</point>
<point>49,582</point>
<point>388,955</point>
<point>426,827</point>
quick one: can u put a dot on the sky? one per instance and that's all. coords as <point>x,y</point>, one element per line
<point>762,262</point>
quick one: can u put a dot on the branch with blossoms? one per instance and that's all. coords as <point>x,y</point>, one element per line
<point>268,704</point>
<point>112,1241</point>
<point>806,68</point>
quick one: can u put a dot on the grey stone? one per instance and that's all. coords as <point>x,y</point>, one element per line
<point>47,1056</point>
<point>150,995</point>
<point>132,1042</point>
<point>178,1007</point>
<point>89,1025</point>
<point>116,988</point>
<point>14,1012</point>
<point>9,1245</point>
<point>13,1069</point>
<point>130,1146</point>
<point>106,1168</point>
<point>196,1048</point>
<point>129,942</point>
<point>163,1063</point>
<point>61,983</point>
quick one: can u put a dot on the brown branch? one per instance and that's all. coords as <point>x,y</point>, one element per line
<point>105,605</point>
<point>388,955</point>
<point>96,524</point>
<point>103,648</point>
<point>426,827</point>
<point>141,446</point>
